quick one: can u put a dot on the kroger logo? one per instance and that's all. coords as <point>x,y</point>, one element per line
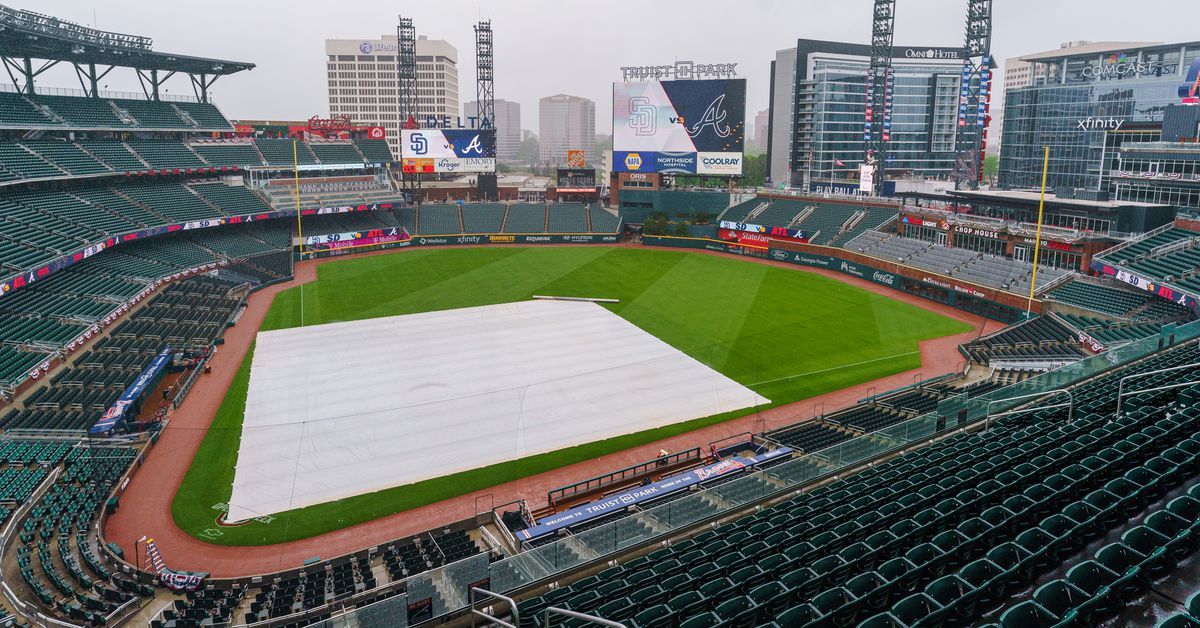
<point>447,165</point>
<point>365,47</point>
<point>633,161</point>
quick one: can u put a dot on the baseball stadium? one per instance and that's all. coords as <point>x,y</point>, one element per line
<point>337,374</point>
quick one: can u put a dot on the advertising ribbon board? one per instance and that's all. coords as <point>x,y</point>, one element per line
<point>115,416</point>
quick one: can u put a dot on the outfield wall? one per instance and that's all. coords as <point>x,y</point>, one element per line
<point>970,297</point>
<point>472,239</point>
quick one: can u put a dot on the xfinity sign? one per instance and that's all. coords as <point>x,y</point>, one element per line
<point>1099,124</point>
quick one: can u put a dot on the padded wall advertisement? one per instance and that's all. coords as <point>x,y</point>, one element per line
<point>679,127</point>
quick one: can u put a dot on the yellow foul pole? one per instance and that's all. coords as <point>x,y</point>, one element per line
<point>296,174</point>
<point>299,227</point>
<point>1037,241</point>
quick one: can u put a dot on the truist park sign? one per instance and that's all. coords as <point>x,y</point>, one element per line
<point>679,71</point>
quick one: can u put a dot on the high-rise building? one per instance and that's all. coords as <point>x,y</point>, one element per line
<point>566,123</point>
<point>507,123</point>
<point>762,125</point>
<point>1085,103</point>
<point>363,83</point>
<point>1019,73</point>
<point>818,108</point>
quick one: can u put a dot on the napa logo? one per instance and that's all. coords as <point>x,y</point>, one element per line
<point>1189,92</point>
<point>633,161</point>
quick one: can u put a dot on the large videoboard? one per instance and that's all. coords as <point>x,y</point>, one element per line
<point>447,150</point>
<point>680,127</point>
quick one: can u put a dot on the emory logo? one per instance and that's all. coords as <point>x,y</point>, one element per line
<point>633,161</point>
<point>1104,124</point>
<point>714,116</point>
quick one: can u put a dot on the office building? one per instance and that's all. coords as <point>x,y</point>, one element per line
<point>1086,103</point>
<point>507,123</point>
<point>566,123</point>
<point>362,82</point>
<point>818,108</point>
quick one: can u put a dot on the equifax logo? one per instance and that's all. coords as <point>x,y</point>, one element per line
<point>633,161</point>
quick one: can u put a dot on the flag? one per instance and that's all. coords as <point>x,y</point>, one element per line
<point>839,162</point>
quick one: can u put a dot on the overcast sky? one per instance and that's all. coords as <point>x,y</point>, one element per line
<point>545,47</point>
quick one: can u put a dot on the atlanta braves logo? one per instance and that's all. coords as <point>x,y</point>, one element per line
<point>714,116</point>
<point>474,147</point>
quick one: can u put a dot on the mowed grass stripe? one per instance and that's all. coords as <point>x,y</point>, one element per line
<point>787,334</point>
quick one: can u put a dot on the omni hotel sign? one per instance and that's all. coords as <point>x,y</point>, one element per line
<point>680,71</point>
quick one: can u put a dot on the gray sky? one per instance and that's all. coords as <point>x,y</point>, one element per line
<point>544,47</point>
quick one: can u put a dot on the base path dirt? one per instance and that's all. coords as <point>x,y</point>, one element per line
<point>145,508</point>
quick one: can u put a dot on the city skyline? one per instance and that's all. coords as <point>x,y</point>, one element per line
<point>289,80</point>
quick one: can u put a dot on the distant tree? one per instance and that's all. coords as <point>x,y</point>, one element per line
<point>991,167</point>
<point>681,230</point>
<point>529,150</point>
<point>754,170</point>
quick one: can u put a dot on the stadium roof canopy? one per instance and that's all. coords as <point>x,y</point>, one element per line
<point>26,35</point>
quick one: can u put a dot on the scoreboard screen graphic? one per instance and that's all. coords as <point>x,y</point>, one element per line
<point>447,150</point>
<point>680,127</point>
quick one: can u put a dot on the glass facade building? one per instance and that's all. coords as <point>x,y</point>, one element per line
<point>1085,107</point>
<point>827,111</point>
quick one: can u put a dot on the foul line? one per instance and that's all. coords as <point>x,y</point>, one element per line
<point>834,368</point>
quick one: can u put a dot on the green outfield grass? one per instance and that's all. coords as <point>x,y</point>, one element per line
<point>786,334</point>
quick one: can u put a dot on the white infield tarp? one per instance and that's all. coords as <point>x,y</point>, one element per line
<point>344,409</point>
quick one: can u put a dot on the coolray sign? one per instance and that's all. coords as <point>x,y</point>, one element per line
<point>1099,124</point>
<point>451,150</point>
<point>680,70</point>
<point>931,53</point>
<point>719,163</point>
<point>681,127</point>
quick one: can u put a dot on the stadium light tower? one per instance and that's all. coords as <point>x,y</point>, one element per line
<point>973,96</point>
<point>406,74</point>
<point>485,98</point>
<point>877,125</point>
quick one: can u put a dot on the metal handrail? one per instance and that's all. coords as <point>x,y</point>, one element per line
<point>1061,391</point>
<point>516,614</point>
<point>1121,384</point>
<point>575,615</point>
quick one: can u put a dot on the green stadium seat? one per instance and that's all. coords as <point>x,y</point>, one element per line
<point>1028,614</point>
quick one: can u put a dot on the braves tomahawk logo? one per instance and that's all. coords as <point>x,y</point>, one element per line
<point>714,116</point>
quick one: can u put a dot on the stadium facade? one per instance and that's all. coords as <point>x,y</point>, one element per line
<point>818,105</point>
<point>362,81</point>
<point>1090,104</point>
